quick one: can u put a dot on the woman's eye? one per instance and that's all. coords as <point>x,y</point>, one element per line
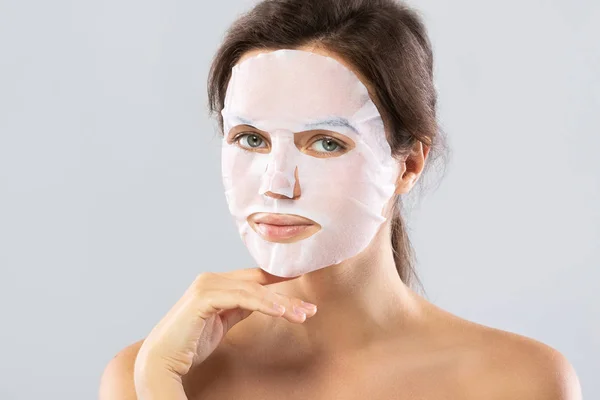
<point>326,145</point>
<point>250,141</point>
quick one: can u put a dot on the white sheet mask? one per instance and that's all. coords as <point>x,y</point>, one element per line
<point>282,93</point>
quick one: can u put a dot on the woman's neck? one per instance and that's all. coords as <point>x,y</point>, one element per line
<point>361,301</point>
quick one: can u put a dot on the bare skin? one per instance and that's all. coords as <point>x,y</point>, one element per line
<point>372,337</point>
<point>445,358</point>
<point>441,357</point>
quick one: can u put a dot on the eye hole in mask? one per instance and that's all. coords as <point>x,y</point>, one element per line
<point>316,143</point>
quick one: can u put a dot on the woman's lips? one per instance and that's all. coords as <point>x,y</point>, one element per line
<point>282,228</point>
<point>280,231</point>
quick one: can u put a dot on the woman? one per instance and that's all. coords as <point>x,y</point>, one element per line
<point>328,111</point>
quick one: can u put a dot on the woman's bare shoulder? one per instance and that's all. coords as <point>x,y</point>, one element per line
<point>499,364</point>
<point>116,382</point>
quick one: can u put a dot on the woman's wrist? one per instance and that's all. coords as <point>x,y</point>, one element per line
<point>159,389</point>
<point>154,384</point>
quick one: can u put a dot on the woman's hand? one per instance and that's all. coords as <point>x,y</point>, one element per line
<point>198,322</point>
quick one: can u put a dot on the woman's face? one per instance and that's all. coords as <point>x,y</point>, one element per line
<point>306,166</point>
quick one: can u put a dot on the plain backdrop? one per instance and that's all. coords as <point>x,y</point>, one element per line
<point>111,199</point>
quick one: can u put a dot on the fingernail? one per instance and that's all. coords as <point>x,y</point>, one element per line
<point>278,307</point>
<point>308,306</point>
<point>299,312</point>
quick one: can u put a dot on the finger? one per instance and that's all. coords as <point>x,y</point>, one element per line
<point>295,309</point>
<point>214,300</point>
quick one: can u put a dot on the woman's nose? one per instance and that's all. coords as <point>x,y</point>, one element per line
<point>280,180</point>
<point>282,188</point>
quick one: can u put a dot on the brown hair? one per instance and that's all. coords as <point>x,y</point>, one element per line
<point>384,40</point>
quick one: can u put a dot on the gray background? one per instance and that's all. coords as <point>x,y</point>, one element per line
<point>111,200</point>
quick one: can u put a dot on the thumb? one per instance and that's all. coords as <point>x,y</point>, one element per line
<point>232,316</point>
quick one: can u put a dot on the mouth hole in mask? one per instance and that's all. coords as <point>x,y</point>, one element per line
<point>282,228</point>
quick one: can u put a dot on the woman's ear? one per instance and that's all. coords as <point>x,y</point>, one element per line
<point>411,168</point>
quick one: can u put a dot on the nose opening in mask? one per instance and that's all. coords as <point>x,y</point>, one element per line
<point>280,179</point>
<point>280,184</point>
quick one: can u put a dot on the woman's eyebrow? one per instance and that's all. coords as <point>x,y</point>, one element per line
<point>337,121</point>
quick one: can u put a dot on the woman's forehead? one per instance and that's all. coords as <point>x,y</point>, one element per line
<point>294,84</point>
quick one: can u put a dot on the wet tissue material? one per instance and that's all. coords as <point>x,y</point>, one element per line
<point>280,96</point>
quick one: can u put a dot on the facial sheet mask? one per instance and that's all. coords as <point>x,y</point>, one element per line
<point>282,93</point>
